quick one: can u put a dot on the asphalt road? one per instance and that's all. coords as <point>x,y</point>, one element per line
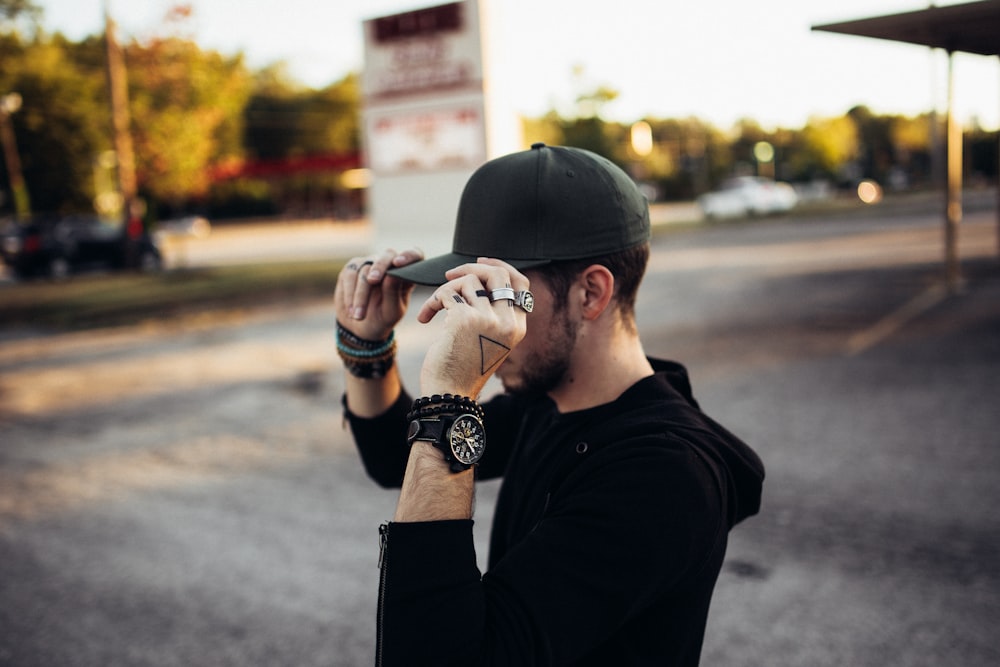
<point>185,494</point>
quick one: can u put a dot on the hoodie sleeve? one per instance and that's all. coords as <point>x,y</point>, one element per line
<point>381,441</point>
<point>431,608</point>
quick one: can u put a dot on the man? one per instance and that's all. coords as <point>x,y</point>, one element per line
<point>618,492</point>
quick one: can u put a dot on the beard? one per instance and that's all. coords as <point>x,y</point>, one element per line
<point>544,367</point>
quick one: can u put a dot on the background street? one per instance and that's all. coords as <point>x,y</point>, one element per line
<point>186,493</point>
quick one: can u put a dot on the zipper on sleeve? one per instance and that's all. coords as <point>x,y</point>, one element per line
<point>383,539</point>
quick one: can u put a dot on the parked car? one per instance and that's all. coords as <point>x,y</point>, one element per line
<point>60,247</point>
<point>748,196</point>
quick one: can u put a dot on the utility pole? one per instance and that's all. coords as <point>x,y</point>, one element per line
<point>10,103</point>
<point>120,119</point>
<point>953,187</point>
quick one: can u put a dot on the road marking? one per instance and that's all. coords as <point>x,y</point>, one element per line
<point>894,321</point>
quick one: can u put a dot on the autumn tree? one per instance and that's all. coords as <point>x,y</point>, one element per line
<point>12,11</point>
<point>284,119</point>
<point>824,148</point>
<point>186,107</point>
<point>61,126</point>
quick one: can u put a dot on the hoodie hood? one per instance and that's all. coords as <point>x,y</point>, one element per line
<point>738,469</point>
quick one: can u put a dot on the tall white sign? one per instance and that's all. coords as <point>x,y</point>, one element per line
<point>425,120</point>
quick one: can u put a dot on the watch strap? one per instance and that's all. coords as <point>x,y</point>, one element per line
<point>435,430</point>
<point>429,429</point>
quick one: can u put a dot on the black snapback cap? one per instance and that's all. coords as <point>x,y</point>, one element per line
<point>546,204</point>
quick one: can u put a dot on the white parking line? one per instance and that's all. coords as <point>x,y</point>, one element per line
<point>894,321</point>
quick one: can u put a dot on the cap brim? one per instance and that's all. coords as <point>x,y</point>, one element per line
<point>431,271</point>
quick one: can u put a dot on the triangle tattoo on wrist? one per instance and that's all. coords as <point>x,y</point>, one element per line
<point>492,353</point>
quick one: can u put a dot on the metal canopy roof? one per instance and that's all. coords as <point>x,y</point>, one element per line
<point>972,27</point>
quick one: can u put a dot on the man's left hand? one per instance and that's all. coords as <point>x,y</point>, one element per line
<point>482,325</point>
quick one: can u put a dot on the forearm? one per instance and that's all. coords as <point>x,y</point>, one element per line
<point>431,492</point>
<point>372,397</point>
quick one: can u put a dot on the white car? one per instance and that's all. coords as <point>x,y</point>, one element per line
<point>748,196</point>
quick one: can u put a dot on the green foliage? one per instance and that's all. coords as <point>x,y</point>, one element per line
<point>196,113</point>
<point>284,120</point>
<point>240,198</point>
<point>14,10</point>
<point>186,107</point>
<point>824,146</point>
<point>61,125</point>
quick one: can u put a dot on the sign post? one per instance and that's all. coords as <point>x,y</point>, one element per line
<point>425,120</point>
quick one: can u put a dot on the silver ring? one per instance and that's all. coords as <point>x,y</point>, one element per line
<point>502,293</point>
<point>525,299</point>
<point>356,267</point>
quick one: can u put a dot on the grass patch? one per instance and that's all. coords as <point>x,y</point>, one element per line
<point>85,302</point>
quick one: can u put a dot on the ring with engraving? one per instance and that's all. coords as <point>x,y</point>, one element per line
<point>525,299</point>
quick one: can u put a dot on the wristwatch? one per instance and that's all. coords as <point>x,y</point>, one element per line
<point>462,438</point>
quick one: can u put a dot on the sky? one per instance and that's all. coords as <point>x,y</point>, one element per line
<point>717,60</point>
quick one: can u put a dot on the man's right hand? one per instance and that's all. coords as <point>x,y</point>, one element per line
<point>370,302</point>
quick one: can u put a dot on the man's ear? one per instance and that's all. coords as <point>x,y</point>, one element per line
<point>598,286</point>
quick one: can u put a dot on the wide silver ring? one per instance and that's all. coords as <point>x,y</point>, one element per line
<point>502,293</point>
<point>525,299</point>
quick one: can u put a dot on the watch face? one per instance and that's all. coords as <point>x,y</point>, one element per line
<point>467,438</point>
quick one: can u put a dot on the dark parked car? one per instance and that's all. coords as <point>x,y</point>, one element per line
<point>57,248</point>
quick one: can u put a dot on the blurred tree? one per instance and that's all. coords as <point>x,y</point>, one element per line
<point>590,133</point>
<point>875,148</point>
<point>186,115</point>
<point>547,129</point>
<point>824,149</point>
<point>582,125</point>
<point>687,155</point>
<point>283,119</point>
<point>912,141</point>
<point>982,161</point>
<point>748,133</point>
<point>12,11</point>
<point>287,124</point>
<point>269,117</point>
<point>61,126</point>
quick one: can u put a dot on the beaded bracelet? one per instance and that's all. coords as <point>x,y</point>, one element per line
<point>365,354</point>
<point>366,359</point>
<point>347,336</point>
<point>354,344</point>
<point>369,368</point>
<point>447,404</point>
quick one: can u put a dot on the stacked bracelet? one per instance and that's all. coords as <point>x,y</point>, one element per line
<point>366,359</point>
<point>452,424</point>
<point>444,404</point>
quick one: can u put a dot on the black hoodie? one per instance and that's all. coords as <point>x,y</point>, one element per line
<point>608,536</point>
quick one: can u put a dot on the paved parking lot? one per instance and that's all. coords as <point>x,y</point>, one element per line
<point>185,494</point>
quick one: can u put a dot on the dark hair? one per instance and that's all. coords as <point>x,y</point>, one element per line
<point>627,266</point>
